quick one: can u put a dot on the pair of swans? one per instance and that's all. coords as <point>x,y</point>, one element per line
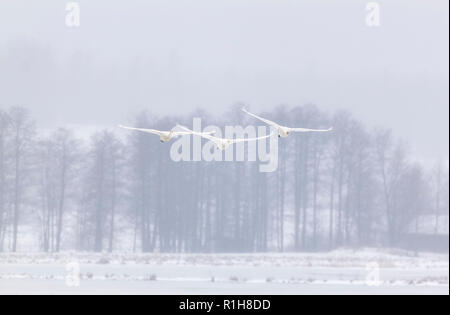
<point>221,143</point>
<point>224,143</point>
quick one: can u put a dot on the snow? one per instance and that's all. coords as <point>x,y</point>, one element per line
<point>203,288</point>
<point>338,272</point>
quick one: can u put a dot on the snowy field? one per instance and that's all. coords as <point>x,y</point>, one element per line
<point>338,272</point>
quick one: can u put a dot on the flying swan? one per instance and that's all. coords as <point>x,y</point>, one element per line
<point>223,143</point>
<point>164,136</point>
<point>284,132</point>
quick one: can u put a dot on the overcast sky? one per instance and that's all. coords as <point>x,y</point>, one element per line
<point>174,56</point>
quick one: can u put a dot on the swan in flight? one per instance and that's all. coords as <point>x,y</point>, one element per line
<point>164,136</point>
<point>284,132</point>
<point>223,143</point>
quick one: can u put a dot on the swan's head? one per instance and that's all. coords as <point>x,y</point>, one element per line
<point>284,132</point>
<point>225,144</point>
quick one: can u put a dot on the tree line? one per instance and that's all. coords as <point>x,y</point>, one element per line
<point>355,186</point>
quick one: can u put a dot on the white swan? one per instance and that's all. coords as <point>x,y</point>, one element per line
<point>284,132</point>
<point>223,143</point>
<point>164,136</point>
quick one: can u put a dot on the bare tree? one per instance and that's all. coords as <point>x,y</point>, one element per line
<point>391,160</point>
<point>438,184</point>
<point>4,138</point>
<point>58,156</point>
<point>22,136</point>
<point>101,190</point>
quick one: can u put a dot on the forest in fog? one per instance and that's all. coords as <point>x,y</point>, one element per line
<point>120,191</point>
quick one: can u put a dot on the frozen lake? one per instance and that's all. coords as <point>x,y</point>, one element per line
<point>340,272</point>
<point>204,288</point>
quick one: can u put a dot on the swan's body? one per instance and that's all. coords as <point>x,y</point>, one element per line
<point>164,136</point>
<point>283,131</point>
<point>223,143</point>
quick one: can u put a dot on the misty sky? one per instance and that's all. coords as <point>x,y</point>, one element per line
<point>175,56</point>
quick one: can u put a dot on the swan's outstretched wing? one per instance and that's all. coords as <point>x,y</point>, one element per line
<point>206,135</point>
<point>152,131</point>
<point>310,130</point>
<point>188,132</point>
<point>269,122</point>
<point>251,139</point>
<point>181,133</point>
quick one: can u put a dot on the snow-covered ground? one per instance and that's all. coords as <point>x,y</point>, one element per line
<point>338,272</point>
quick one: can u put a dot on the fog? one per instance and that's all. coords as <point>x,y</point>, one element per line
<point>332,176</point>
<point>172,58</point>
